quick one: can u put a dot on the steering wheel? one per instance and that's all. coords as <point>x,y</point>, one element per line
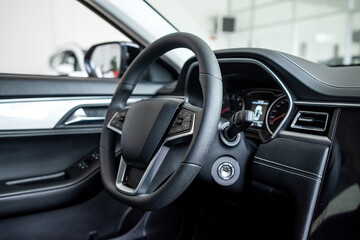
<point>151,173</point>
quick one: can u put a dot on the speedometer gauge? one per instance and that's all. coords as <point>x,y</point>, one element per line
<point>276,113</point>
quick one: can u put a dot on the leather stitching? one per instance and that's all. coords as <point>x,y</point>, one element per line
<point>287,166</point>
<point>283,170</point>
<point>314,77</point>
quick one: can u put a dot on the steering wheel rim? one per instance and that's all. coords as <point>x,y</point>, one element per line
<point>205,123</point>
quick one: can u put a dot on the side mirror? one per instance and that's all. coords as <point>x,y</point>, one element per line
<point>111,59</point>
<point>65,69</point>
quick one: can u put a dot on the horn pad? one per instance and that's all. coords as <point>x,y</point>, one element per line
<point>145,125</point>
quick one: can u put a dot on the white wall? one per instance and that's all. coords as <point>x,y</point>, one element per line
<point>192,16</point>
<point>31,30</point>
<point>318,25</point>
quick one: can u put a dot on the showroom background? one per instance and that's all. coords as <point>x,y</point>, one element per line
<point>40,27</point>
<point>318,30</point>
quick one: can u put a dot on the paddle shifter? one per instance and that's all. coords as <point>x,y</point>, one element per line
<point>237,123</point>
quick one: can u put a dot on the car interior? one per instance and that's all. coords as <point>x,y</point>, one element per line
<point>233,143</point>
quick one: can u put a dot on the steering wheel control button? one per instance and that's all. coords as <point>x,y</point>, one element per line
<point>185,126</point>
<point>117,121</point>
<point>225,171</point>
<point>182,123</point>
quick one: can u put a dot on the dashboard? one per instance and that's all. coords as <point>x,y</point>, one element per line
<point>304,136</point>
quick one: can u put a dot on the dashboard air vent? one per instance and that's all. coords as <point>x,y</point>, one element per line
<point>313,121</point>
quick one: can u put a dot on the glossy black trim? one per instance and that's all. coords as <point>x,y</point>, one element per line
<point>40,86</point>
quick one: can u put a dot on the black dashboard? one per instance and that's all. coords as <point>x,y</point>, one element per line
<point>302,129</point>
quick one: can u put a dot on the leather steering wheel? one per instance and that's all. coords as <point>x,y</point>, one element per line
<point>151,173</point>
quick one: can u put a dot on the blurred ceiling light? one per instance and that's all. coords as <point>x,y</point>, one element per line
<point>325,37</point>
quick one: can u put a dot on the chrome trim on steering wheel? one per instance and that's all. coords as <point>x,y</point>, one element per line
<point>153,166</point>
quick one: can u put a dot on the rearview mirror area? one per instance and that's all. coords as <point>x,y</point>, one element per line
<point>111,59</point>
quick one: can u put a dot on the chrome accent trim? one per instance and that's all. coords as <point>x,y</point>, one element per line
<point>80,116</point>
<point>236,170</point>
<point>132,100</point>
<point>51,99</point>
<point>49,132</point>
<point>293,124</point>
<point>21,115</point>
<point>146,179</point>
<point>111,127</point>
<point>44,113</point>
<point>327,104</point>
<point>151,170</point>
<point>268,70</point>
<point>228,165</point>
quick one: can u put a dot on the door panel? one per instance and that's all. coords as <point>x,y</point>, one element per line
<point>44,172</point>
<point>45,164</point>
<point>44,113</point>
<point>49,170</point>
<point>49,141</point>
<point>25,157</point>
<point>100,215</point>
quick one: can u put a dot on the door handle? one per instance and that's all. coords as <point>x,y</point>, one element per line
<point>80,116</point>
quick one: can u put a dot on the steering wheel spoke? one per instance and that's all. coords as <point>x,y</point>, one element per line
<point>135,181</point>
<point>116,123</point>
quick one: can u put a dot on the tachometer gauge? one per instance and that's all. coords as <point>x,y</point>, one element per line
<point>276,113</point>
<point>232,103</point>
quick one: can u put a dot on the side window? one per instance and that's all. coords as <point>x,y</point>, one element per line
<point>50,37</point>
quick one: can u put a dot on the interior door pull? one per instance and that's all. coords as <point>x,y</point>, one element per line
<point>80,116</point>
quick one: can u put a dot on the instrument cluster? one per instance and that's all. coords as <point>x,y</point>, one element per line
<point>269,106</point>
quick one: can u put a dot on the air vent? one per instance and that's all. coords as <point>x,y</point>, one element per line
<point>313,121</point>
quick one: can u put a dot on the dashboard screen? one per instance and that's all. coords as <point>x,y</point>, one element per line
<point>259,108</point>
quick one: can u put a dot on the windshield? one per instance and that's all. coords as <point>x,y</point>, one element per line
<point>323,31</point>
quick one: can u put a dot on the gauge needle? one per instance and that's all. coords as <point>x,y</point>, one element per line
<point>277,118</point>
<point>225,110</point>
